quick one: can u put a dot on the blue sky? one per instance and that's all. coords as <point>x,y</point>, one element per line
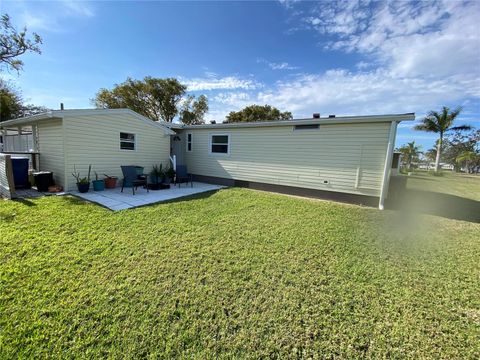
<point>344,58</point>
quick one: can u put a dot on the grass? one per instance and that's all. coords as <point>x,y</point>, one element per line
<point>459,184</point>
<point>235,274</point>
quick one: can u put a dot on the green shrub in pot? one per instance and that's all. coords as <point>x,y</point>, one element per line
<point>83,184</point>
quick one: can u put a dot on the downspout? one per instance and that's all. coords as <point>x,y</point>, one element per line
<point>388,165</point>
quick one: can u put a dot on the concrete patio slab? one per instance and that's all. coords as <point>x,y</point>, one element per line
<point>115,200</point>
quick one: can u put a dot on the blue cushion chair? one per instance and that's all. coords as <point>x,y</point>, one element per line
<point>130,176</point>
<point>182,176</point>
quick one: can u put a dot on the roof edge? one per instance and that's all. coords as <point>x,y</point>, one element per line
<point>60,114</point>
<point>335,120</point>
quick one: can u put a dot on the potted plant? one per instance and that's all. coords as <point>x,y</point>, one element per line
<point>110,181</point>
<point>156,177</point>
<point>98,185</point>
<point>169,175</point>
<point>83,184</point>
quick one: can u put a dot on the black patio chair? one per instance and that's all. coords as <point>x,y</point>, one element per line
<point>130,176</point>
<point>182,176</point>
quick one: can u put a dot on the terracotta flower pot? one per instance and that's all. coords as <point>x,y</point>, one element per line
<point>110,182</point>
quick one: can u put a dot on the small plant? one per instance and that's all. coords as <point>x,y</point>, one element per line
<point>80,180</point>
<point>157,173</point>
<point>170,173</point>
<point>83,184</point>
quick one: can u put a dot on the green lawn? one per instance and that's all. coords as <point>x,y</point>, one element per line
<point>236,274</point>
<point>464,185</point>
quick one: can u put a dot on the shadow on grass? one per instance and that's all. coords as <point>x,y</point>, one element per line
<point>198,196</point>
<point>73,200</point>
<point>439,204</point>
<point>25,202</point>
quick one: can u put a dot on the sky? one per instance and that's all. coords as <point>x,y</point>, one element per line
<point>343,57</point>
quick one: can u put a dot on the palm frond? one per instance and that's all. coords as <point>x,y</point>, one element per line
<point>428,124</point>
<point>455,112</point>
<point>461,128</point>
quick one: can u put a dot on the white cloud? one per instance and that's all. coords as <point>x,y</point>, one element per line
<point>236,99</point>
<point>361,65</point>
<point>49,17</point>
<point>78,8</point>
<point>212,82</point>
<point>416,56</point>
<point>349,93</point>
<point>277,66</point>
<point>429,39</point>
<point>288,3</point>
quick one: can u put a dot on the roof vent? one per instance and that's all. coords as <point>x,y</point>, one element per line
<point>316,115</point>
<point>61,106</point>
<point>331,116</point>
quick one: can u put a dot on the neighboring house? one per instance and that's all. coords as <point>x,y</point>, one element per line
<point>314,157</point>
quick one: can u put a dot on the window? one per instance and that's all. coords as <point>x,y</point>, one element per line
<point>220,144</point>
<point>189,142</point>
<point>306,127</point>
<point>127,141</point>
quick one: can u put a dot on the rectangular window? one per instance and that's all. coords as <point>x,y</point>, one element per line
<point>189,142</point>
<point>220,144</point>
<point>307,127</point>
<point>127,141</point>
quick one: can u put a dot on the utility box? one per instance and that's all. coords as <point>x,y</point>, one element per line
<point>43,179</point>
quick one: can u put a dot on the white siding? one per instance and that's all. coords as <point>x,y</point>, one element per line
<point>50,142</point>
<point>7,187</point>
<point>95,140</point>
<point>334,153</point>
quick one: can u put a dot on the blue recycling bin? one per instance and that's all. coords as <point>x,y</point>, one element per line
<point>20,172</point>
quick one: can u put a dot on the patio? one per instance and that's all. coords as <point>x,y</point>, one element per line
<point>115,200</point>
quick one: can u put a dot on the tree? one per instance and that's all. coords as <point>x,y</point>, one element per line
<point>430,156</point>
<point>258,113</point>
<point>441,123</point>
<point>154,98</point>
<point>12,105</point>
<point>410,153</point>
<point>460,142</point>
<point>466,158</point>
<point>14,43</point>
<point>10,102</point>
<point>194,110</point>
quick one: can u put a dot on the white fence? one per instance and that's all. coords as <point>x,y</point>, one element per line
<point>17,143</point>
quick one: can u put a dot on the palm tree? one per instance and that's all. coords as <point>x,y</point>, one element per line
<point>410,152</point>
<point>441,123</point>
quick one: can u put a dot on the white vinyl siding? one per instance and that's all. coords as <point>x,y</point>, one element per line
<point>51,148</point>
<point>94,139</point>
<point>336,157</point>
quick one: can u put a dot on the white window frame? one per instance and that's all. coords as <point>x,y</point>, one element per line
<point>210,143</point>
<point>127,141</point>
<point>189,142</point>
